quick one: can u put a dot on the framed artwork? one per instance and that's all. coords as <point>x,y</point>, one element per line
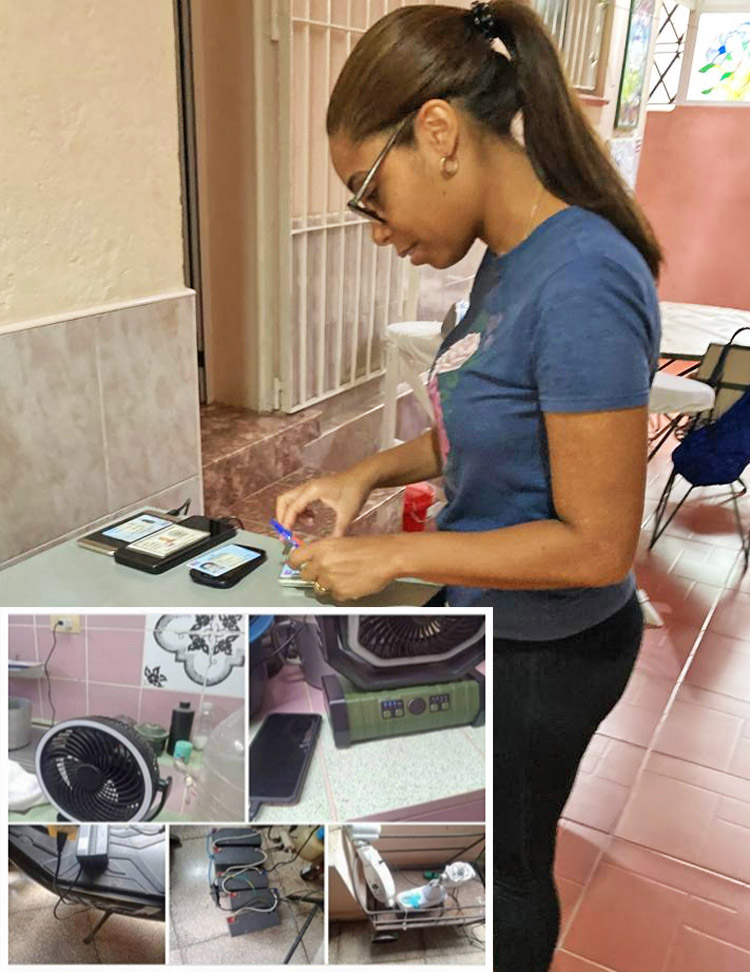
<point>635,64</point>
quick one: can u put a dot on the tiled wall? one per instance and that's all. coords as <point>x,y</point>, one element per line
<point>99,413</point>
<point>101,671</point>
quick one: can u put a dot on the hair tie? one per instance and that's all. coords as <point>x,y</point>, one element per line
<point>483,19</point>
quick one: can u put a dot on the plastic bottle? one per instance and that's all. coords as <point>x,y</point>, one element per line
<point>204,726</point>
<point>220,787</point>
<point>181,724</point>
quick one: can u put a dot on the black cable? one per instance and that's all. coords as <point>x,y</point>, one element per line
<point>63,900</point>
<point>180,510</point>
<point>278,650</point>
<point>293,859</point>
<point>46,672</point>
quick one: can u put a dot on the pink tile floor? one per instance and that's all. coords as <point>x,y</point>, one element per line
<point>653,859</point>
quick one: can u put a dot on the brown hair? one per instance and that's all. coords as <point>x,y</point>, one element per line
<point>421,52</point>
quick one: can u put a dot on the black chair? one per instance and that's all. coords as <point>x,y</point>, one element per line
<point>726,368</point>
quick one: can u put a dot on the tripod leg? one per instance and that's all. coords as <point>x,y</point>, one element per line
<point>92,935</point>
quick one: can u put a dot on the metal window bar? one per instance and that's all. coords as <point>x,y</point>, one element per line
<point>577,26</point>
<point>669,51</point>
<point>345,290</point>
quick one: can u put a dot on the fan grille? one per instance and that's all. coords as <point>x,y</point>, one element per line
<point>409,637</point>
<point>93,775</point>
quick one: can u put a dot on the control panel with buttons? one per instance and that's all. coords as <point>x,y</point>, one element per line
<point>392,709</point>
<point>440,703</point>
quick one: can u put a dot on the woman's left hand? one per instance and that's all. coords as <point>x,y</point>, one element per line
<point>347,568</point>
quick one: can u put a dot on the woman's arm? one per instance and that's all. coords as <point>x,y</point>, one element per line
<point>346,492</point>
<point>411,462</point>
<point>598,469</point>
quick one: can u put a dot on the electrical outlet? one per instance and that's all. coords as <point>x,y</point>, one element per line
<point>65,623</point>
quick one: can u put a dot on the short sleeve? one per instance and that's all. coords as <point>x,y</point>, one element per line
<point>596,339</point>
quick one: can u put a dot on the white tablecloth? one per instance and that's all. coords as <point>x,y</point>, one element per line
<point>688,329</point>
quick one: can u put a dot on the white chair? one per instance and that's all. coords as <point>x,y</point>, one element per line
<point>410,349</point>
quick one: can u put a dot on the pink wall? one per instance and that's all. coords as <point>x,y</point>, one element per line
<point>694,184</point>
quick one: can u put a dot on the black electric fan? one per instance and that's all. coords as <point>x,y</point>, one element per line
<point>382,651</point>
<point>99,769</point>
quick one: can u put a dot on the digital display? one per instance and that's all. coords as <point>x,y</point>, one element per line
<point>221,561</point>
<point>168,541</point>
<point>137,528</point>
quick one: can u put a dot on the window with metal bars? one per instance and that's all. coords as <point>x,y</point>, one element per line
<point>669,50</point>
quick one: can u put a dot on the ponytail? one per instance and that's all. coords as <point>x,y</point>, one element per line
<point>421,52</point>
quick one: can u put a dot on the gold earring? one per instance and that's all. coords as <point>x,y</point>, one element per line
<point>448,166</point>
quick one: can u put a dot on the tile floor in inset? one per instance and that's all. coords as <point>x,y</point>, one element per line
<point>653,857</point>
<point>36,937</point>
<point>198,933</point>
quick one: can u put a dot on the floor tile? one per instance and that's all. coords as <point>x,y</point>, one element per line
<point>567,962</point>
<point>699,734</point>
<point>651,819</point>
<point>694,952</point>
<point>595,802</point>
<point>732,615</point>
<point>722,664</point>
<point>664,651</point>
<point>625,921</point>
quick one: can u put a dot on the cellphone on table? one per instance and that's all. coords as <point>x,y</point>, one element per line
<point>292,578</point>
<point>226,566</point>
<point>280,755</point>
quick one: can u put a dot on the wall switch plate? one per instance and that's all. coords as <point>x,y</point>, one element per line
<point>65,623</point>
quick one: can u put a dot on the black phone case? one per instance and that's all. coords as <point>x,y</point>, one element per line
<point>315,721</point>
<point>232,577</point>
<point>154,565</point>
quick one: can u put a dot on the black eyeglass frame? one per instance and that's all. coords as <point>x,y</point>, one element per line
<point>355,203</point>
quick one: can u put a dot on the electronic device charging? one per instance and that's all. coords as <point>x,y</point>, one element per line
<point>280,756</point>
<point>227,565</point>
<point>159,552</point>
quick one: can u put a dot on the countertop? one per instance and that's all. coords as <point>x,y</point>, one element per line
<point>437,775</point>
<point>70,576</point>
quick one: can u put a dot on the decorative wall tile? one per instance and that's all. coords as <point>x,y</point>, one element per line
<point>191,653</point>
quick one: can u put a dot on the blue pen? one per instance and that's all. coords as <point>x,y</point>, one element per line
<point>284,533</point>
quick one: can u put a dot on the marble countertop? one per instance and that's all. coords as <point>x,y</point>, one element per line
<point>402,778</point>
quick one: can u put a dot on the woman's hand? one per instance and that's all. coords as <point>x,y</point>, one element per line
<point>350,567</point>
<point>345,493</point>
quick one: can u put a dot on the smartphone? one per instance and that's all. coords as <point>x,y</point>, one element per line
<point>292,578</point>
<point>227,565</point>
<point>280,756</point>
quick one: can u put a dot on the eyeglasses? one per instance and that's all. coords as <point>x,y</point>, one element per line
<point>355,203</point>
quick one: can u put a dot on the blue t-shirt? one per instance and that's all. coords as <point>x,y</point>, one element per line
<point>568,321</point>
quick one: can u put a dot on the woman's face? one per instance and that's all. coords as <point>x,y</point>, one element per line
<point>427,217</point>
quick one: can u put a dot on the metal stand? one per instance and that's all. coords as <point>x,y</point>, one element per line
<point>92,935</point>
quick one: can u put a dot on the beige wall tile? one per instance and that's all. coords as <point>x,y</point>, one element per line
<point>148,367</point>
<point>52,475</point>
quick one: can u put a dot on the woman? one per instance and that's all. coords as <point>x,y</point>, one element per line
<point>450,125</point>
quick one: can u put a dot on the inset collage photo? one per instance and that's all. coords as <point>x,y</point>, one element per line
<point>233,789</point>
